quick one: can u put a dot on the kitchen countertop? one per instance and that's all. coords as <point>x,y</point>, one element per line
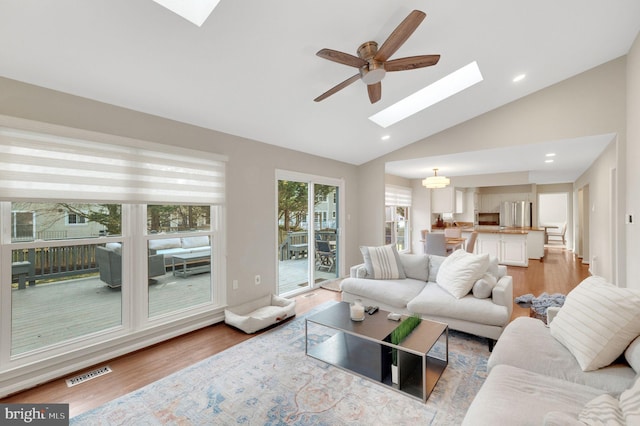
<point>490,229</point>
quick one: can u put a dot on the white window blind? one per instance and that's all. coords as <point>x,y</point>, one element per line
<point>397,195</point>
<point>37,166</point>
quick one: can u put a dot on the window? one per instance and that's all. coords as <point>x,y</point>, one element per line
<point>138,203</point>
<point>397,225</point>
<point>76,219</point>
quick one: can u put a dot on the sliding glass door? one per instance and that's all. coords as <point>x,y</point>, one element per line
<point>308,231</point>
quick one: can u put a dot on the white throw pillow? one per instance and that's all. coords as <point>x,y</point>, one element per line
<point>460,270</point>
<point>484,286</point>
<point>597,322</point>
<point>383,263</point>
<point>632,354</point>
<point>415,266</point>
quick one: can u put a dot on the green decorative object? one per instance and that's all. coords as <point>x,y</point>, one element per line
<point>401,332</point>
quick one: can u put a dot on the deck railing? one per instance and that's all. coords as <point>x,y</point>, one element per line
<point>55,262</point>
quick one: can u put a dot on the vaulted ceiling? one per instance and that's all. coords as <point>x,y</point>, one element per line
<point>251,69</point>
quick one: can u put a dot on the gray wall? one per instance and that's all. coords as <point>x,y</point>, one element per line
<point>250,208</point>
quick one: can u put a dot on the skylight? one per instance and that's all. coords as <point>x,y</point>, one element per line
<point>195,11</point>
<point>447,86</point>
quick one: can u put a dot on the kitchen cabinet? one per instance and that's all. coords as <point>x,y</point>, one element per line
<point>510,249</point>
<point>535,244</point>
<point>443,200</point>
<point>459,205</point>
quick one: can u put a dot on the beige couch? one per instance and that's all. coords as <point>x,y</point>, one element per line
<point>419,293</point>
<point>538,378</point>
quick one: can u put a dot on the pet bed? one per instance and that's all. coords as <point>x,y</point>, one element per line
<point>260,313</point>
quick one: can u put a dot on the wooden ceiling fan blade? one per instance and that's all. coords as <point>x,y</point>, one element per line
<point>400,35</point>
<point>341,58</point>
<point>337,88</point>
<point>375,92</point>
<point>411,62</point>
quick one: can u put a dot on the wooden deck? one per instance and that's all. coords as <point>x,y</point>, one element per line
<point>51,313</point>
<point>293,273</point>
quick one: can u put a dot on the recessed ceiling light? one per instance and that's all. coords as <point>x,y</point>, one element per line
<point>195,11</point>
<point>519,77</point>
<point>447,86</point>
<point>385,137</point>
<point>551,154</point>
<point>548,161</point>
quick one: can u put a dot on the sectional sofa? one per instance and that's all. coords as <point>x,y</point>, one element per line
<point>581,369</point>
<point>471,293</point>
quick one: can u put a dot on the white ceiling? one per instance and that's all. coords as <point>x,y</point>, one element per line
<point>250,70</point>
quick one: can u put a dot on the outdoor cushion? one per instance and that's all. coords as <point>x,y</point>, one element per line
<point>191,242</point>
<point>597,322</point>
<point>165,243</point>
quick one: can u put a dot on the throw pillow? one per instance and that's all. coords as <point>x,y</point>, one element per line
<point>434,266</point>
<point>632,354</point>
<point>484,286</point>
<point>602,410</point>
<point>382,263</point>
<point>597,322</point>
<point>415,266</point>
<point>460,270</point>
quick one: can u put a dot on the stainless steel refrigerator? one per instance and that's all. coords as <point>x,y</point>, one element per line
<point>515,213</point>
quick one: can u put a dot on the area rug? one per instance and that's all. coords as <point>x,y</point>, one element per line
<point>268,380</point>
<point>333,285</point>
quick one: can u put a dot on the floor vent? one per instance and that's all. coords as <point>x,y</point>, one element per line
<point>88,376</point>
<point>309,295</point>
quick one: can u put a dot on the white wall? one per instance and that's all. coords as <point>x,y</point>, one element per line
<point>591,103</point>
<point>632,188</point>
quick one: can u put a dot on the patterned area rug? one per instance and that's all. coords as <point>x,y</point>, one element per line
<point>268,380</point>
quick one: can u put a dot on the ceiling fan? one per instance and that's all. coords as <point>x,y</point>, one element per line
<point>373,63</point>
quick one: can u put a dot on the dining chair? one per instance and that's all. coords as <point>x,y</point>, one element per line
<point>436,244</point>
<point>472,241</point>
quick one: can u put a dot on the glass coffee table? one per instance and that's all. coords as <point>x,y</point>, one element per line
<point>364,348</point>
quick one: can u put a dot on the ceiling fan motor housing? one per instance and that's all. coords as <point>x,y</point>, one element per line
<point>374,71</point>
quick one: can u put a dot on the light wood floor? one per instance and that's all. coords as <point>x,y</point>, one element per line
<point>558,273</point>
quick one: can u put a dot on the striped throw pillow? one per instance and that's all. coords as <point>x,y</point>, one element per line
<point>630,404</point>
<point>383,263</point>
<point>597,322</point>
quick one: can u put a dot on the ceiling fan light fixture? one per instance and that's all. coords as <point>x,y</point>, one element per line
<point>435,181</point>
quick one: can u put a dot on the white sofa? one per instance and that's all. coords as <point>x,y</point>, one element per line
<point>535,378</point>
<point>419,293</point>
<point>171,246</point>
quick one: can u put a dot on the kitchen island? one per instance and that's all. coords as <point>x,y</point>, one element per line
<point>512,246</point>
